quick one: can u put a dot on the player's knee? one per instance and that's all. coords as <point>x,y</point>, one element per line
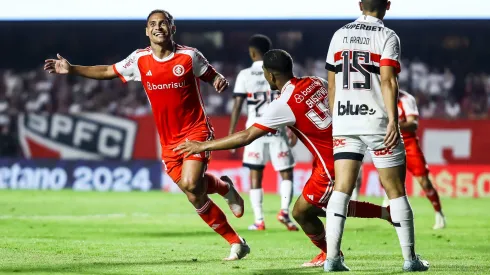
<point>298,214</point>
<point>190,185</point>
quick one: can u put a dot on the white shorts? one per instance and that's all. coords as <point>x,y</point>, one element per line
<point>354,147</point>
<point>277,150</point>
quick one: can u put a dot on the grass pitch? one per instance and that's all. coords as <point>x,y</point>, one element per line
<point>160,233</point>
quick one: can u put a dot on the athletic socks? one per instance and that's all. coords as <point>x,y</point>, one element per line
<point>256,197</point>
<point>216,219</point>
<point>319,241</point>
<point>402,217</point>
<point>216,185</point>
<point>433,196</point>
<point>286,192</point>
<point>336,215</point>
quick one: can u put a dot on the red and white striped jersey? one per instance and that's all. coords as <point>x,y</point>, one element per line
<point>356,53</point>
<point>303,107</point>
<point>407,106</point>
<point>172,87</point>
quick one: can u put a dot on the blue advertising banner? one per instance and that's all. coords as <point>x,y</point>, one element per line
<point>80,175</point>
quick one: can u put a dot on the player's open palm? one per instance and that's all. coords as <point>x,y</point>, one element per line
<point>59,66</point>
<point>392,137</point>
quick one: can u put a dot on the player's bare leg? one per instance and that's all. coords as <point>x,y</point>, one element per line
<point>307,215</point>
<point>286,192</point>
<point>192,183</point>
<point>433,197</point>
<point>346,173</point>
<point>357,190</point>
<point>256,199</point>
<point>393,181</point>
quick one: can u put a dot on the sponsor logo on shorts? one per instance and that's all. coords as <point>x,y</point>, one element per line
<point>354,109</point>
<point>254,155</point>
<point>338,142</point>
<point>383,152</point>
<point>283,155</point>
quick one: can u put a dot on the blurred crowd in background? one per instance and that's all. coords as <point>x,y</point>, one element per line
<point>443,66</point>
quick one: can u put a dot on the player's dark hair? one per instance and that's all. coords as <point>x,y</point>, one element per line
<point>374,5</point>
<point>279,61</point>
<point>260,42</point>
<point>167,14</point>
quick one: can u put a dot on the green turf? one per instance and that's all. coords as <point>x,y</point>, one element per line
<point>157,233</point>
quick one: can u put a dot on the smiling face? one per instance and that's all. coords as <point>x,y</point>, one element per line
<point>159,28</point>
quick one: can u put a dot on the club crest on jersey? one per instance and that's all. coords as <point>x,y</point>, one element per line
<point>299,98</point>
<point>178,70</point>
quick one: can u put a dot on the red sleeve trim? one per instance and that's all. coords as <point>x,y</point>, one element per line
<point>265,128</point>
<point>209,74</point>
<point>391,63</point>
<point>118,74</point>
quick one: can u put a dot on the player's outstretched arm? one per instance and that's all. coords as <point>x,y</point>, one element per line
<point>234,141</point>
<point>235,113</point>
<point>389,90</point>
<point>62,66</point>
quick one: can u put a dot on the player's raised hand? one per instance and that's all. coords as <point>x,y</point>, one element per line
<point>392,137</point>
<point>189,148</point>
<point>59,66</point>
<point>220,83</point>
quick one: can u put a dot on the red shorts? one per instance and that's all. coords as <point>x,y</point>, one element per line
<point>173,160</point>
<point>416,163</point>
<point>318,189</point>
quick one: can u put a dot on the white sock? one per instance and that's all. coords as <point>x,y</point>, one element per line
<point>256,197</point>
<point>336,215</point>
<point>286,191</point>
<point>402,217</point>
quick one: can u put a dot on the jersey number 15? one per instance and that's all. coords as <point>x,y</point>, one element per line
<point>359,58</point>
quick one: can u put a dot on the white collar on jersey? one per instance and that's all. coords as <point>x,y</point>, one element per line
<point>258,63</point>
<point>167,58</point>
<point>370,19</point>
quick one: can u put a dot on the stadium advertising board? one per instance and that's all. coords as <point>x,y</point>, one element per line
<point>80,175</point>
<point>85,136</point>
<point>233,10</point>
<point>450,180</point>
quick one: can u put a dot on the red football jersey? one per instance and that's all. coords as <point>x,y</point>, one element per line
<point>303,106</point>
<point>407,106</point>
<point>172,87</point>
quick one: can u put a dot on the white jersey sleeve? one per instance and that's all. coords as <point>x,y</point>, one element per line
<point>127,69</point>
<point>240,85</point>
<point>199,63</point>
<point>277,115</point>
<point>391,53</point>
<point>409,105</point>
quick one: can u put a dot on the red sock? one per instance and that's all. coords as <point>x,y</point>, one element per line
<point>216,219</point>
<point>216,185</point>
<point>433,196</point>
<point>319,241</point>
<point>360,209</point>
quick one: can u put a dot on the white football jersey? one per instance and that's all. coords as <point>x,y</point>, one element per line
<point>252,85</point>
<point>356,53</point>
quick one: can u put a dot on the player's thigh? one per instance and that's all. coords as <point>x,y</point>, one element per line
<point>281,155</point>
<point>255,155</point>
<point>192,176</point>
<point>318,189</point>
<point>348,154</point>
<point>390,163</point>
<point>304,210</point>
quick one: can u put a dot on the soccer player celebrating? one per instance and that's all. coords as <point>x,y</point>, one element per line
<point>170,75</point>
<point>303,107</point>
<point>363,63</point>
<point>251,85</point>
